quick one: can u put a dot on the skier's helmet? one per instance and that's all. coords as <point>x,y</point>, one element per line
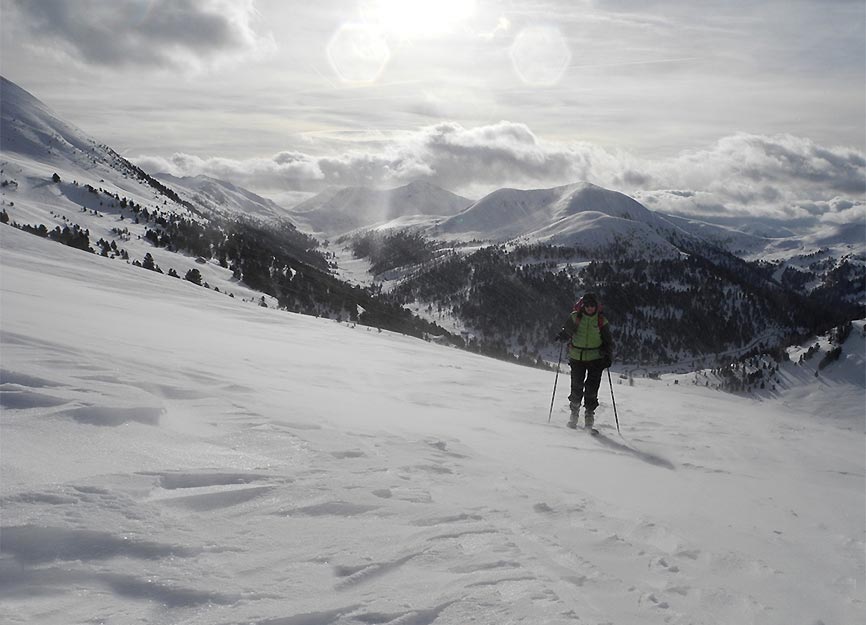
<point>589,299</point>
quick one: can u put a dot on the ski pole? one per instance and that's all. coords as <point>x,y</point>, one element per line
<point>555,380</point>
<point>612,399</point>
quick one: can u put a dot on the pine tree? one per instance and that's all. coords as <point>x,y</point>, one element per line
<point>194,276</point>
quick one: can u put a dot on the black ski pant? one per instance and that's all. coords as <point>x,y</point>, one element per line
<point>585,380</point>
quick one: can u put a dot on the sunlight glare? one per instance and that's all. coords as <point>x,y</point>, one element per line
<point>410,19</point>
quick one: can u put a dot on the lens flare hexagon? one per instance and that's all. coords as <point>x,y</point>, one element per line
<point>358,53</point>
<point>540,55</point>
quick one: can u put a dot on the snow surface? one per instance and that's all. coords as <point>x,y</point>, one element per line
<point>172,455</point>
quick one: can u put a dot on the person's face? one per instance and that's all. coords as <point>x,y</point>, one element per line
<point>590,308</point>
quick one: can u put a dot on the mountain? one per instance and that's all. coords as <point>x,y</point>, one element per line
<point>341,210</point>
<point>730,238</point>
<point>33,130</point>
<point>172,455</point>
<point>850,237</point>
<point>579,215</point>
<point>36,144</point>
<point>224,198</point>
<point>503,273</point>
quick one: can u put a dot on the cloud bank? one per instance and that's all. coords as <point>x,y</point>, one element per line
<point>781,177</point>
<point>170,34</point>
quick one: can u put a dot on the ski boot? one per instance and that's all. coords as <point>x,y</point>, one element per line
<point>575,414</point>
<point>589,421</point>
<point>589,418</point>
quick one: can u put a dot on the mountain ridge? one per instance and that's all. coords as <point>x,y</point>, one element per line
<point>341,210</point>
<point>225,198</point>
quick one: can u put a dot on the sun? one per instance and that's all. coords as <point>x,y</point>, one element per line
<point>412,19</point>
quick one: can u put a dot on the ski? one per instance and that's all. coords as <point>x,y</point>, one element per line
<point>592,431</point>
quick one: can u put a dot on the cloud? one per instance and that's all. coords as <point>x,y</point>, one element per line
<point>779,177</point>
<point>471,160</point>
<point>840,211</point>
<point>286,171</point>
<point>189,35</point>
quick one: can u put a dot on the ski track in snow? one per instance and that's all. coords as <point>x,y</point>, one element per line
<point>235,468</point>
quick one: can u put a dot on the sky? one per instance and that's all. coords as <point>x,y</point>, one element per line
<point>720,107</point>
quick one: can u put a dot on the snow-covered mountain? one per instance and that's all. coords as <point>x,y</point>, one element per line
<point>55,175</point>
<point>337,211</point>
<point>727,237</point>
<point>171,455</point>
<point>31,129</point>
<point>773,242</point>
<point>581,215</point>
<point>225,198</point>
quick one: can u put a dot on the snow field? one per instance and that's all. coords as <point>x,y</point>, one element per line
<point>171,455</point>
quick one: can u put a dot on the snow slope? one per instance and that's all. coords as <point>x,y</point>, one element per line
<point>171,455</point>
<point>838,239</point>
<point>727,237</point>
<point>29,127</point>
<point>93,182</point>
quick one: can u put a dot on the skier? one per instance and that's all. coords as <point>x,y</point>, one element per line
<point>590,353</point>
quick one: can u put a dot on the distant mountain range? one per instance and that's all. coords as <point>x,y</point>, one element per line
<point>580,215</point>
<point>337,211</point>
<point>495,274</point>
<point>223,198</point>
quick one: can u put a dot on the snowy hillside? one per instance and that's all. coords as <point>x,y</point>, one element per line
<point>31,128</point>
<point>581,215</point>
<point>97,199</point>
<point>55,175</point>
<point>727,237</point>
<point>341,210</point>
<point>170,455</point>
<point>807,376</point>
<point>838,241</point>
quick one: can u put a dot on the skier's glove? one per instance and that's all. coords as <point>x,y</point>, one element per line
<point>606,360</point>
<point>563,335</point>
